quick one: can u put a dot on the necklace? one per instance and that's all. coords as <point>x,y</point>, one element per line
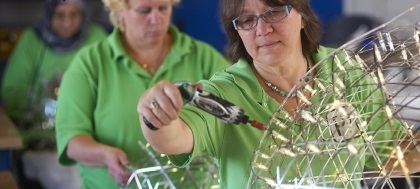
<point>282,92</point>
<point>151,70</point>
<point>274,88</point>
<point>161,57</point>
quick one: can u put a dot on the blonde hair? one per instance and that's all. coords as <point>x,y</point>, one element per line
<point>114,5</point>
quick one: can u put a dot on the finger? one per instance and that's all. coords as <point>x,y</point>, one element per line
<point>123,170</point>
<point>122,181</point>
<point>160,104</point>
<point>161,113</point>
<point>150,118</point>
<point>123,159</point>
<point>145,111</point>
<point>171,93</point>
<point>115,174</point>
<point>175,97</point>
<point>119,173</point>
<point>198,85</point>
<point>149,97</point>
<point>170,102</point>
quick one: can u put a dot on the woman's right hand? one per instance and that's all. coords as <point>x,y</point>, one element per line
<point>92,153</point>
<point>160,104</point>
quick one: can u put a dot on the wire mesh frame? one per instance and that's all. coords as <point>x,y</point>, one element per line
<point>359,102</point>
<point>157,172</point>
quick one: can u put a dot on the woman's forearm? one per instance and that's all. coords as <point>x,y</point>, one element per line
<point>87,151</point>
<point>171,139</point>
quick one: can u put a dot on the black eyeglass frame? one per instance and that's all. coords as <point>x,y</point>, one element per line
<point>287,8</point>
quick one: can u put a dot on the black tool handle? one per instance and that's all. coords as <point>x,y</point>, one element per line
<point>222,109</point>
<point>149,125</point>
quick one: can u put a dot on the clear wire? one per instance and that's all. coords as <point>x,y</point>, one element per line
<point>156,171</point>
<point>357,105</point>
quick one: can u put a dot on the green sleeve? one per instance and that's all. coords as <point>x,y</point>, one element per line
<point>75,108</point>
<point>19,73</point>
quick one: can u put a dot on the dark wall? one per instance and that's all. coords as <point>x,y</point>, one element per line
<point>327,9</point>
<point>198,18</point>
<point>201,20</point>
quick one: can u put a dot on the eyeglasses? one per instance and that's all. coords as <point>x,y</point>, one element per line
<point>274,14</point>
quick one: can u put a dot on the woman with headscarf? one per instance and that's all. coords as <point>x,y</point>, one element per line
<point>31,80</point>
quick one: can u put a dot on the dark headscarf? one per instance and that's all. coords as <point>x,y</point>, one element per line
<point>55,42</point>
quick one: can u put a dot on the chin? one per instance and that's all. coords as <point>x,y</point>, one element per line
<point>268,58</point>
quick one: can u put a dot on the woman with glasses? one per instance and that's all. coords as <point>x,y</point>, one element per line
<point>273,45</point>
<point>30,87</point>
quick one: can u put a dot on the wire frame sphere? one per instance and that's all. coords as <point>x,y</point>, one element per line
<point>357,108</point>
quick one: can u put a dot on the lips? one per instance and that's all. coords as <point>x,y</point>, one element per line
<point>154,33</point>
<point>268,44</point>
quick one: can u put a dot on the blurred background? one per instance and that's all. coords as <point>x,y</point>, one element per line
<point>200,19</point>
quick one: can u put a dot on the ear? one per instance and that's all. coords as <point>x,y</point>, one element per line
<point>302,23</point>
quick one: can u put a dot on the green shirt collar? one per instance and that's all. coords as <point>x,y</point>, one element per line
<point>244,77</point>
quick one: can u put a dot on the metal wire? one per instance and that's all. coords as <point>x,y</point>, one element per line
<point>156,171</point>
<point>358,103</point>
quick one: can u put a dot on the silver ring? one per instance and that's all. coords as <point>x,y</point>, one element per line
<point>154,105</point>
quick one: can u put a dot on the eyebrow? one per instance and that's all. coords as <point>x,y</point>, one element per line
<point>245,12</point>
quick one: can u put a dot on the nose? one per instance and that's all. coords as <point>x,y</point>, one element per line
<point>67,21</point>
<point>154,16</point>
<point>263,28</point>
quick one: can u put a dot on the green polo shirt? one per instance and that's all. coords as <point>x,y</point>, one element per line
<point>99,94</point>
<point>33,71</point>
<point>30,54</point>
<point>233,146</point>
